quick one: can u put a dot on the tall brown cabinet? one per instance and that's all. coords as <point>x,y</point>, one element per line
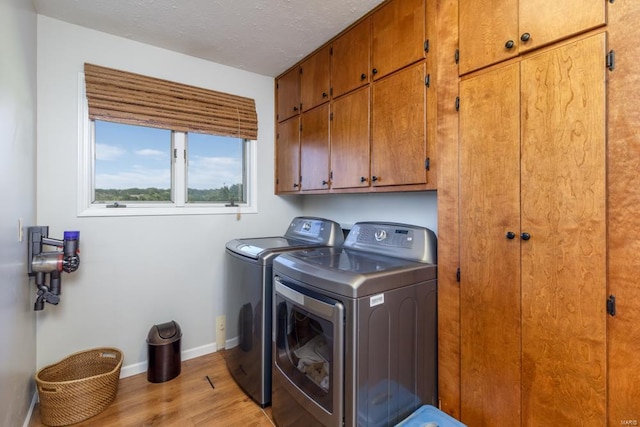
<point>549,190</point>
<point>532,221</point>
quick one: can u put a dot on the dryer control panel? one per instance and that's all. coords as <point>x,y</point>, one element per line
<point>393,239</point>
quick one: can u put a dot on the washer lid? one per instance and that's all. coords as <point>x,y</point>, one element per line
<point>302,232</point>
<point>256,247</point>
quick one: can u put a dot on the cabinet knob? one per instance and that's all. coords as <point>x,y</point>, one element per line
<point>363,76</point>
<point>509,44</point>
<point>525,236</point>
<point>325,182</point>
<point>374,178</point>
<point>525,37</point>
<point>295,108</point>
<point>296,185</point>
<point>324,94</point>
<point>374,71</point>
<point>363,179</point>
<point>511,235</point>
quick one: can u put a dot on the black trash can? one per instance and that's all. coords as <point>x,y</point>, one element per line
<point>163,344</point>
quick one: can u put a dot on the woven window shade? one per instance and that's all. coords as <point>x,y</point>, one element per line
<point>123,97</point>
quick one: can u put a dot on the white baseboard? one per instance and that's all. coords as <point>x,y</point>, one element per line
<point>34,400</point>
<point>138,368</point>
<point>233,342</point>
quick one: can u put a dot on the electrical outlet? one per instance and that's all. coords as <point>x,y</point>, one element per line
<point>221,326</point>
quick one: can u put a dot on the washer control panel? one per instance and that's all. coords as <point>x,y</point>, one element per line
<point>316,230</point>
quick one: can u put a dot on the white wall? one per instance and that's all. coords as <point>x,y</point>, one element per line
<point>419,208</point>
<point>136,271</point>
<point>17,200</point>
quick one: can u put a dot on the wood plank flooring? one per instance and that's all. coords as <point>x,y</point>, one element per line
<point>187,400</point>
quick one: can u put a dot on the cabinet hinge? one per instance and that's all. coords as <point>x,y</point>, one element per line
<point>331,116</point>
<point>175,153</point>
<point>331,50</point>
<point>457,56</point>
<point>277,85</point>
<point>457,103</point>
<point>300,127</point>
<point>426,45</point>
<point>300,70</point>
<point>458,275</point>
<point>331,175</point>
<point>427,80</point>
<point>427,163</point>
<point>611,305</point>
<point>611,60</point>
<point>331,91</point>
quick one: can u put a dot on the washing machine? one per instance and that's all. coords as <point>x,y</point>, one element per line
<point>248,298</point>
<point>355,329</point>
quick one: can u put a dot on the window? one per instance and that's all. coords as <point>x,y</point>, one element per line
<point>134,164</point>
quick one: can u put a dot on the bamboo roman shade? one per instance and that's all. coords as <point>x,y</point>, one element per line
<point>123,97</point>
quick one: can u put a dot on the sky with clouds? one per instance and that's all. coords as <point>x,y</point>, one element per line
<point>138,157</point>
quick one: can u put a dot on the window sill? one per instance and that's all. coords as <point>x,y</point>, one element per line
<point>103,211</point>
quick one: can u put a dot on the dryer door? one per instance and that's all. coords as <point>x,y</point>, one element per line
<point>309,351</point>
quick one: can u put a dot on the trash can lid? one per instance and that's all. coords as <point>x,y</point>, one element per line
<point>164,333</point>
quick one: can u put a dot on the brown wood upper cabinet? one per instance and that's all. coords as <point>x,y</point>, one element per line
<point>288,94</point>
<point>350,59</point>
<point>398,30</point>
<point>350,146</point>
<point>491,31</point>
<point>398,135</point>
<point>288,155</point>
<point>314,149</point>
<point>315,79</point>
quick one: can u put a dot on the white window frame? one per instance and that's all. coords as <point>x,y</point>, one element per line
<point>86,178</point>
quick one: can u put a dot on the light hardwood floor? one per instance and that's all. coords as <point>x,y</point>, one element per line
<point>187,400</point>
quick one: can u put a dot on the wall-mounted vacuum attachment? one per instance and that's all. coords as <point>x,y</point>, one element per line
<point>41,263</point>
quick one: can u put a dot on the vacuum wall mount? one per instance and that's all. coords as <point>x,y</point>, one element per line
<point>41,263</point>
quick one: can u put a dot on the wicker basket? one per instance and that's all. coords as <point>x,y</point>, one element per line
<point>78,387</point>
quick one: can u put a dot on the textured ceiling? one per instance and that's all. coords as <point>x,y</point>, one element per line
<point>262,36</point>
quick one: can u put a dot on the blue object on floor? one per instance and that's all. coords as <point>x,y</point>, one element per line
<point>430,416</point>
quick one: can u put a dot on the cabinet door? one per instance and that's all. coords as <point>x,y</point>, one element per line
<point>350,67</point>
<point>546,21</point>
<point>563,210</point>
<point>314,149</point>
<point>314,79</point>
<point>398,135</point>
<point>489,257</point>
<point>288,91</point>
<point>350,140</point>
<point>288,155</point>
<point>398,30</point>
<point>485,29</point>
